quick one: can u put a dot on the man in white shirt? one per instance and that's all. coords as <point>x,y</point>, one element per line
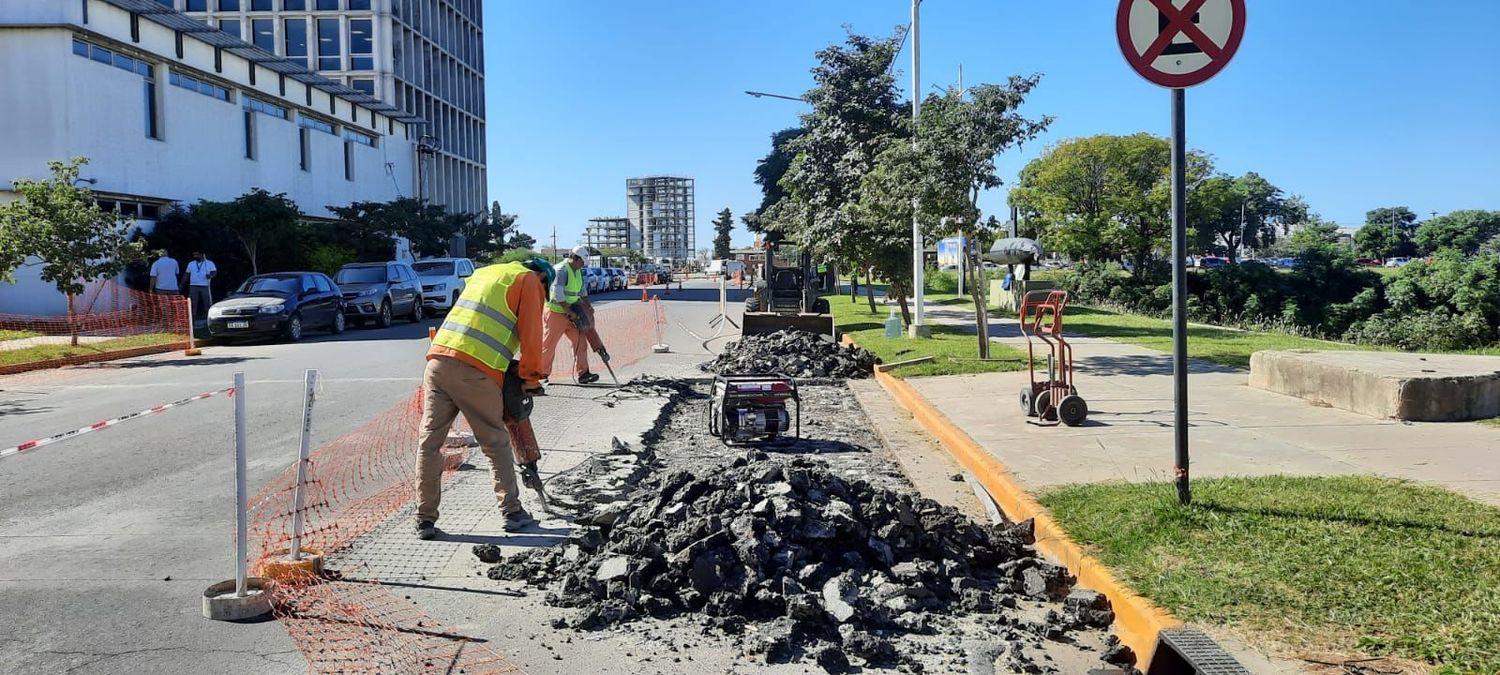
<point>164,273</point>
<point>199,273</point>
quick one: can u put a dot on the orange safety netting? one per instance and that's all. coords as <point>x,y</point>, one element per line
<point>629,331</point>
<point>108,321</point>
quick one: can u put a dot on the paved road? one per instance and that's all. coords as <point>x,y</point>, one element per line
<point>107,540</point>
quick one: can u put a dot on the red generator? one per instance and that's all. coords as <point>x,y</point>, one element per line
<point>1053,398</point>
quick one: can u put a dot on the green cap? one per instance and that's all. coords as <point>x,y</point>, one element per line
<point>540,264</point>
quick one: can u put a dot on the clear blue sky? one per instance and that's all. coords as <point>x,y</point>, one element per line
<point>1354,104</point>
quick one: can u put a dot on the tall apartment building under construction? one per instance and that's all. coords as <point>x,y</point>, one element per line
<point>661,210</point>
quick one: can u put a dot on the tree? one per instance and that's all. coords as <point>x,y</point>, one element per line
<point>1397,217</point>
<point>61,225</point>
<point>723,225</point>
<point>368,227</point>
<point>1380,242</point>
<point>769,171</point>
<point>254,217</point>
<point>635,258</point>
<point>521,240</point>
<point>487,236</point>
<point>1466,231</point>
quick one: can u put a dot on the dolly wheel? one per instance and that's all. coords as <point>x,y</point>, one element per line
<point>1072,410</point>
<point>1027,402</point>
<point>1044,408</point>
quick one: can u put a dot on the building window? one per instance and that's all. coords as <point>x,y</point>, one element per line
<point>304,143</point>
<point>264,108</point>
<point>361,45</point>
<point>328,4</point>
<point>230,26</point>
<point>263,34</point>
<point>294,5</point>
<point>229,5</point>
<point>360,138</point>
<point>197,5</point>
<point>348,161</point>
<point>328,45</point>
<point>249,135</point>
<point>314,123</point>
<point>359,4</point>
<point>294,39</point>
<point>261,5</point>
<point>365,85</point>
<point>153,121</point>
<point>194,84</point>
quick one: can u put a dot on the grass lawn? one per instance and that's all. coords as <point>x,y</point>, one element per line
<point>16,334</point>
<point>953,349</point>
<point>1491,422</point>
<point>1324,565</point>
<point>1220,345</point>
<point>50,352</point>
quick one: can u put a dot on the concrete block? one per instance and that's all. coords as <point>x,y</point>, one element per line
<point>1387,385</point>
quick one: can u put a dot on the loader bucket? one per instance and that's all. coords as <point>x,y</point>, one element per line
<point>758,323</point>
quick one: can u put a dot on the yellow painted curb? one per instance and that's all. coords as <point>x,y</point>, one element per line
<point>1137,619</point>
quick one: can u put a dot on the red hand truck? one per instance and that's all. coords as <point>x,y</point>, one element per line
<point>1055,398</point>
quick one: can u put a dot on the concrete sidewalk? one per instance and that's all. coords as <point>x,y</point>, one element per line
<point>1235,430</point>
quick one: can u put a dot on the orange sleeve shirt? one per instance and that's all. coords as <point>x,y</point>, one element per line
<point>527,298</point>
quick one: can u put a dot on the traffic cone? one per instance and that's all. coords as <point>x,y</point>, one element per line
<point>431,332</point>
<point>643,295</point>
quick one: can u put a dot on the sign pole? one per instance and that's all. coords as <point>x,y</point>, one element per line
<point>1179,294</point>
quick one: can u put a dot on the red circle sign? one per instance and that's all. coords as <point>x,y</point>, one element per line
<point>1179,43</point>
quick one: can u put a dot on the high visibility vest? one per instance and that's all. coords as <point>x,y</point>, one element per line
<point>572,291</point>
<point>482,323</point>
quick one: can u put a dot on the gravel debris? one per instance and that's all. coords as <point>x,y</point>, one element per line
<point>795,353</point>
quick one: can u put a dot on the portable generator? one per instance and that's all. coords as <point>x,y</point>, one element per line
<point>750,408</point>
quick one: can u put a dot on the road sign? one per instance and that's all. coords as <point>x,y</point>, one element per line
<point>1179,43</point>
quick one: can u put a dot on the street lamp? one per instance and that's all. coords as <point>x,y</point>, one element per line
<point>758,94</point>
<point>918,324</point>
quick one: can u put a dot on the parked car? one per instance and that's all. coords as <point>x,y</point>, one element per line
<point>592,280</point>
<point>1398,262</point>
<point>284,304</point>
<point>442,280</point>
<point>620,279</point>
<point>1367,262</point>
<point>1209,262</point>
<point>378,292</point>
<point>1287,263</point>
<point>1255,262</point>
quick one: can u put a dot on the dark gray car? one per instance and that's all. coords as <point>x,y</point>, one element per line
<point>379,292</point>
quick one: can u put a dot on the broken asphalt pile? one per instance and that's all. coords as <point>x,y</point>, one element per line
<point>795,353</point>
<point>803,564</point>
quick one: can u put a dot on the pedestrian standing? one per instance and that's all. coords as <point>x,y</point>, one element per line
<point>200,273</point>
<point>164,274</point>
<point>498,315</point>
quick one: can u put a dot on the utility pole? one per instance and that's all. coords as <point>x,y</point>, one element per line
<point>554,242</point>
<point>918,325</point>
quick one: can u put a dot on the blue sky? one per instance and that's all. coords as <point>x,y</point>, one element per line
<point>1353,104</point>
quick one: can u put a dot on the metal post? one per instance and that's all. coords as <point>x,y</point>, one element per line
<point>1179,295</point>
<point>309,397</point>
<point>241,538</point>
<point>919,322</point>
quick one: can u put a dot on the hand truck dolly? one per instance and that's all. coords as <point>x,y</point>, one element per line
<point>1054,399</point>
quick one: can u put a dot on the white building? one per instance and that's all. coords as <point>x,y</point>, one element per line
<point>425,57</point>
<point>663,216</point>
<point>169,110</point>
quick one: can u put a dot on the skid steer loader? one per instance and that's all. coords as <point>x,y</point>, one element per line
<point>785,293</point>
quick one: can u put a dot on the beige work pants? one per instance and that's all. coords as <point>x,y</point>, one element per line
<point>553,329</point>
<point>451,387</point>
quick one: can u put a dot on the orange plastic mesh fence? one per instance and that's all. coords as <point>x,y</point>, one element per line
<point>355,484</point>
<point>628,330</point>
<point>108,321</point>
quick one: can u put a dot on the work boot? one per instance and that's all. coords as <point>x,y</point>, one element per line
<point>518,520</point>
<point>587,378</point>
<point>426,529</point>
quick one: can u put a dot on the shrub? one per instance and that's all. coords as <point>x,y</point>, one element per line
<point>1430,330</point>
<point>328,258</point>
<point>940,281</point>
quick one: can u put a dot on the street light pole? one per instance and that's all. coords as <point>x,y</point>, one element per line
<point>918,324</point>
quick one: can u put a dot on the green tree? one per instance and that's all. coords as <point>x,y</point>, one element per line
<point>488,235</point>
<point>254,217</point>
<point>723,225</point>
<point>521,240</point>
<point>769,171</point>
<point>635,258</point>
<point>1466,231</point>
<point>61,225</point>
<point>517,254</point>
<point>1399,217</point>
<point>1380,242</point>
<point>368,227</point>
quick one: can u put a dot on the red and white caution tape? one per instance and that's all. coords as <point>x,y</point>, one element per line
<point>32,445</point>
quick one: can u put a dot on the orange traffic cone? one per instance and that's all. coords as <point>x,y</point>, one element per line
<point>643,295</point>
<point>431,332</point>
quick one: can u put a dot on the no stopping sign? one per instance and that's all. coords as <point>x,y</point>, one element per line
<point>1179,43</point>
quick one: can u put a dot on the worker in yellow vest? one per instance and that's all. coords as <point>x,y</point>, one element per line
<point>494,325</point>
<point>568,295</point>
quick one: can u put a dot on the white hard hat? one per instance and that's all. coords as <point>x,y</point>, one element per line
<point>580,251</point>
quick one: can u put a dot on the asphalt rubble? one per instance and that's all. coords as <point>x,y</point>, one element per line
<point>795,353</point>
<point>813,551</point>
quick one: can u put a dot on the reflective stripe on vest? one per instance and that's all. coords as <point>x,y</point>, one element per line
<point>482,323</point>
<point>572,291</point>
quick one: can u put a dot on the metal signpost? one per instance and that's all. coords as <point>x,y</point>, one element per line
<point>1179,44</point>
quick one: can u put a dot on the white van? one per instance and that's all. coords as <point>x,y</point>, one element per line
<point>725,268</point>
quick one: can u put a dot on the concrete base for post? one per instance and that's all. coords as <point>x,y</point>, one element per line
<point>661,349</point>
<point>915,331</point>
<point>221,604</point>
<point>281,568</point>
